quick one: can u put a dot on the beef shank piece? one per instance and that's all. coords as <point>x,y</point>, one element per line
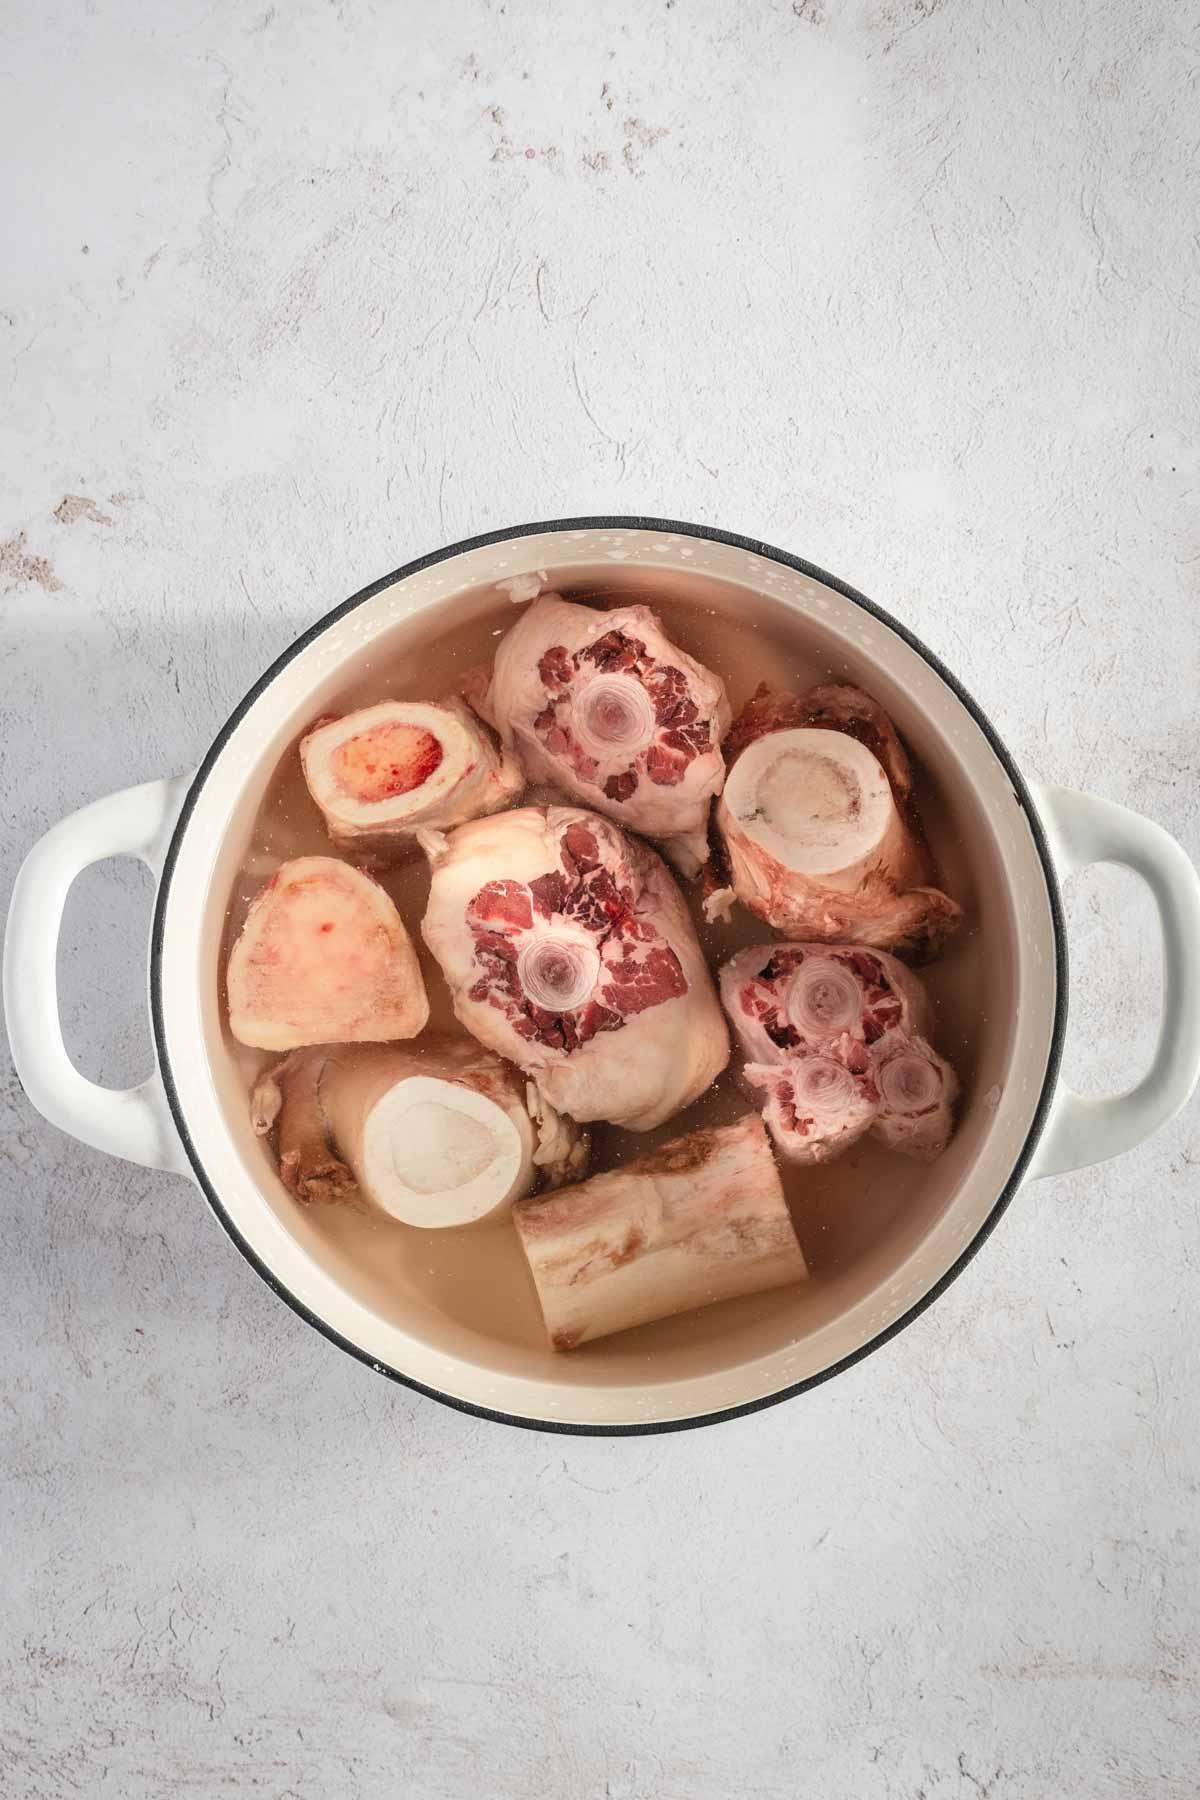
<point>835,1045</point>
<point>605,707</point>
<point>818,826</point>
<point>568,949</point>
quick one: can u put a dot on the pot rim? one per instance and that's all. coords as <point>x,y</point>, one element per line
<point>622,522</point>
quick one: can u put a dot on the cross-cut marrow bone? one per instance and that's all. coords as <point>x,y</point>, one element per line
<point>568,949</point>
<point>605,707</point>
<point>817,824</point>
<point>381,774</point>
<point>834,1037</point>
<point>783,997</point>
<point>436,1135</point>
<point>917,1090</point>
<point>323,958</point>
<point>701,1219</point>
<point>814,1106</point>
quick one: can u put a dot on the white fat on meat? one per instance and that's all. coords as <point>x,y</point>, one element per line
<point>385,772</point>
<point>436,1135</point>
<point>605,707</point>
<point>568,949</point>
<point>817,827</point>
<point>834,1039</point>
<point>323,958</point>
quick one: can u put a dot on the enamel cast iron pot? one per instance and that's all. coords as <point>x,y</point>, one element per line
<point>1003,844</point>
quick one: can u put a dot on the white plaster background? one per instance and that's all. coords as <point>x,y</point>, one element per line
<point>292,294</point>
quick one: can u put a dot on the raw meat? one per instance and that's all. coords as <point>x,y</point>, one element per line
<point>323,958</point>
<point>567,948</point>
<point>605,707</point>
<point>818,827</point>
<point>701,1219</point>
<point>380,774</point>
<point>780,997</point>
<point>835,1045</point>
<point>436,1135</point>
<point>814,1105</point>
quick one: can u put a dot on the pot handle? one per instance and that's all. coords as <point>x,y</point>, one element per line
<point>134,1122</point>
<point>1082,1128</point>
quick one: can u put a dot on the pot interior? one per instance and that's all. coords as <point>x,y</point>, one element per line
<point>456,1310</point>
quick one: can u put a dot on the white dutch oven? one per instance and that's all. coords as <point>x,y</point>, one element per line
<point>1018,1123</point>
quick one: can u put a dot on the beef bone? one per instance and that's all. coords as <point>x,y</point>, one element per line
<point>700,1219</point>
<point>384,772</point>
<point>818,827</point>
<point>323,958</point>
<point>834,1038</point>
<point>605,707</point>
<point>567,947</point>
<point>437,1134</point>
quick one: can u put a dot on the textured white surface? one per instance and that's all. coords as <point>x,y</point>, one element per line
<point>295,294</point>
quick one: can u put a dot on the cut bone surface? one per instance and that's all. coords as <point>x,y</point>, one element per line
<point>834,1038</point>
<point>603,705</point>
<point>701,1219</point>
<point>568,948</point>
<point>917,1090</point>
<point>814,1106</point>
<point>437,1134</point>
<point>323,958</point>
<point>816,828</point>
<point>786,997</point>
<point>832,706</point>
<point>384,772</point>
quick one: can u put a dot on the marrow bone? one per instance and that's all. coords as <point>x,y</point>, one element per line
<point>700,1219</point>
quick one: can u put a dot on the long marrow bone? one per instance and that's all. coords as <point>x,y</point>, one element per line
<point>701,1219</point>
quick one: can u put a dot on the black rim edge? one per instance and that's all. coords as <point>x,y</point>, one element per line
<point>1023,796</point>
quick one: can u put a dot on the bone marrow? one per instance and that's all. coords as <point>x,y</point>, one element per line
<point>444,1135</point>
<point>818,827</point>
<point>383,773</point>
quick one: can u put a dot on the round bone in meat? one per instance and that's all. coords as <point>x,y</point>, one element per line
<point>917,1090</point>
<point>782,997</point>
<point>604,706</point>
<point>814,1106</point>
<point>323,958</point>
<point>701,1219</point>
<point>834,1037</point>
<point>833,706</point>
<point>381,774</point>
<point>437,1136</point>
<point>568,949</point>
